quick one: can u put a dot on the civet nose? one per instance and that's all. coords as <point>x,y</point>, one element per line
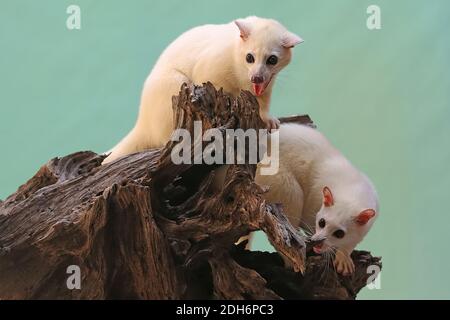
<point>257,79</point>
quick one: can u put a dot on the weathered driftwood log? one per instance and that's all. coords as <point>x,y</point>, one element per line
<point>145,228</point>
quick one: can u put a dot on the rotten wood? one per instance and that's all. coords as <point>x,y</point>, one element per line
<point>142,227</point>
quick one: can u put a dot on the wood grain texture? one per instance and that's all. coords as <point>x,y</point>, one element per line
<point>142,227</point>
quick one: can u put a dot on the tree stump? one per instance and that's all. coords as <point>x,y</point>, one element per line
<point>144,228</point>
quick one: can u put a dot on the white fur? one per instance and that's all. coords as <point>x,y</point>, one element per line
<point>215,53</point>
<point>308,163</point>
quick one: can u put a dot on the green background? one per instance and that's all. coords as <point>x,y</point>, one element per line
<point>382,97</point>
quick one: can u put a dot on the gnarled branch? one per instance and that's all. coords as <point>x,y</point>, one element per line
<point>145,228</point>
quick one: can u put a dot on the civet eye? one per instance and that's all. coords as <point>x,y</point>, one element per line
<point>339,234</point>
<point>250,58</point>
<point>272,60</point>
<point>322,223</point>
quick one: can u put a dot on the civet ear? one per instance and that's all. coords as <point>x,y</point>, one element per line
<point>364,216</point>
<point>290,40</point>
<point>244,28</point>
<point>327,197</point>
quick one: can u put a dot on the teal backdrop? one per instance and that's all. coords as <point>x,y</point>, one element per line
<point>381,96</point>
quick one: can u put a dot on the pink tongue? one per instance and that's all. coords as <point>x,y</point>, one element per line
<point>317,249</point>
<point>258,88</point>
